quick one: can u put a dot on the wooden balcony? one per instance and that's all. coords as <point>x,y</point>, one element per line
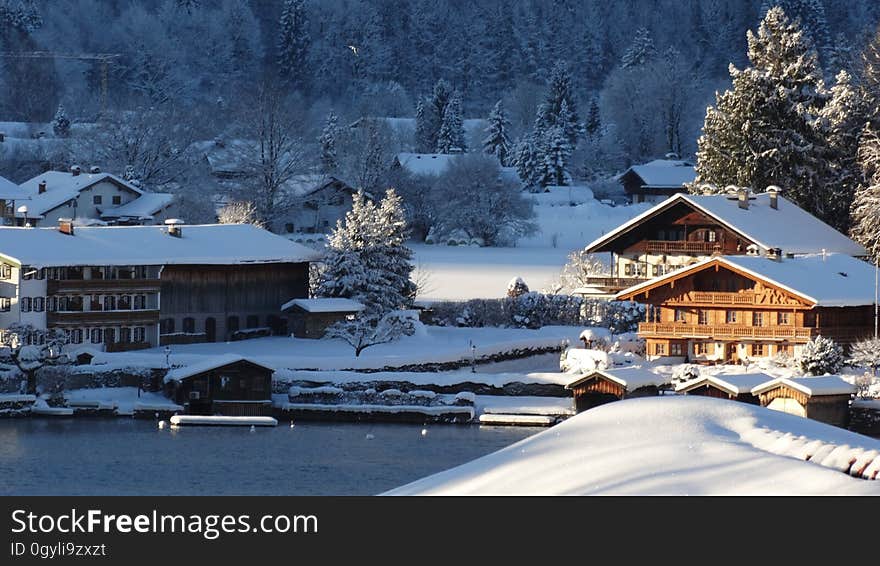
<point>714,298</point>
<point>613,283</point>
<point>673,247</point>
<point>89,286</point>
<point>724,331</point>
<point>77,318</point>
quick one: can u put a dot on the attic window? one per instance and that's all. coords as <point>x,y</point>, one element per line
<point>842,274</point>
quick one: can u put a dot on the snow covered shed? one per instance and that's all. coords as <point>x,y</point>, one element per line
<point>602,386</point>
<point>310,318</point>
<point>824,398</point>
<point>735,387</point>
<point>223,385</point>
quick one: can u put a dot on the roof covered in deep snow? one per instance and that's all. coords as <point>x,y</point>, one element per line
<point>203,244</point>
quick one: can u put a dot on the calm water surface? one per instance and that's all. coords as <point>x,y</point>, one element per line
<point>135,457</point>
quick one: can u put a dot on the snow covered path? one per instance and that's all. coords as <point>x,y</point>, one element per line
<point>670,445</point>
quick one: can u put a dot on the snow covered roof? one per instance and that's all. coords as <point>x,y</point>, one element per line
<point>734,384</point>
<point>212,363</point>
<point>11,191</point>
<point>144,206</point>
<point>831,280</point>
<point>630,378</point>
<point>204,244</point>
<point>426,163</point>
<point>63,186</point>
<point>812,386</point>
<point>787,227</point>
<point>664,173</point>
<point>324,305</point>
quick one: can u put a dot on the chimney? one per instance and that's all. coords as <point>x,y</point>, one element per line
<point>41,188</point>
<point>774,191</point>
<point>65,226</point>
<point>94,169</point>
<point>775,254</point>
<point>742,197</point>
<point>75,170</point>
<point>175,227</point>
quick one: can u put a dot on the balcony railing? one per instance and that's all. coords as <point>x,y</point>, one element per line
<point>650,329</point>
<point>681,246</point>
<point>715,298</point>
<point>54,286</point>
<point>614,282</point>
<point>147,316</point>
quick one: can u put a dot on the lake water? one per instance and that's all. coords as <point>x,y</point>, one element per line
<point>134,457</point>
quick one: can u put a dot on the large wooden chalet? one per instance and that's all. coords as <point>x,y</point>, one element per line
<point>685,229</point>
<point>732,308</point>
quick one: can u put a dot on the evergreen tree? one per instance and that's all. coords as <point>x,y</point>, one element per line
<point>423,133</point>
<point>329,160</point>
<point>367,258</point>
<point>497,141</point>
<point>870,80</point>
<point>559,93</point>
<point>293,42</point>
<point>527,161</point>
<point>866,204</point>
<point>555,153</point>
<point>811,16</point>
<point>843,120</point>
<point>766,130</point>
<point>450,137</point>
<point>60,123</point>
<point>594,121</point>
<point>820,356</point>
<point>641,51</point>
<point>371,165</point>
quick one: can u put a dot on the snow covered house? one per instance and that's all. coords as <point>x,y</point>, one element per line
<point>311,317</point>
<point>825,398</point>
<point>319,202</point>
<point>84,196</point>
<point>129,287</point>
<point>734,308</point>
<point>602,386</point>
<point>685,229</point>
<point>657,180</point>
<point>229,385</point>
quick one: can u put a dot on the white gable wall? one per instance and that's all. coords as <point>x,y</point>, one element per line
<point>85,206</point>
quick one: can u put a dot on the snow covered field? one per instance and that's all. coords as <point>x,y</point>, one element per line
<point>466,272</point>
<point>436,344</point>
<point>675,446</point>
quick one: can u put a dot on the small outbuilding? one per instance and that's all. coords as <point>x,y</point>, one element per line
<point>734,387</point>
<point>606,385</point>
<point>224,385</point>
<point>824,398</point>
<point>310,318</point>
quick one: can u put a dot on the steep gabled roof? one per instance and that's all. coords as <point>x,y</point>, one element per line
<point>832,280</point>
<point>62,187</point>
<point>733,384</point>
<point>145,206</point>
<point>787,227</point>
<point>664,173</point>
<point>11,191</point>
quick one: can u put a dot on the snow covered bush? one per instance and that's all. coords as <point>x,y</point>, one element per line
<point>240,212</point>
<point>865,354</point>
<point>579,360</point>
<point>820,356</point>
<point>580,267</point>
<point>685,372</point>
<point>517,287</point>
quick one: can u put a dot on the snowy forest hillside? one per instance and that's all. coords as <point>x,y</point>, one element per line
<point>571,92</point>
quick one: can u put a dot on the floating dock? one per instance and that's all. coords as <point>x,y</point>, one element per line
<point>501,419</point>
<point>203,420</point>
